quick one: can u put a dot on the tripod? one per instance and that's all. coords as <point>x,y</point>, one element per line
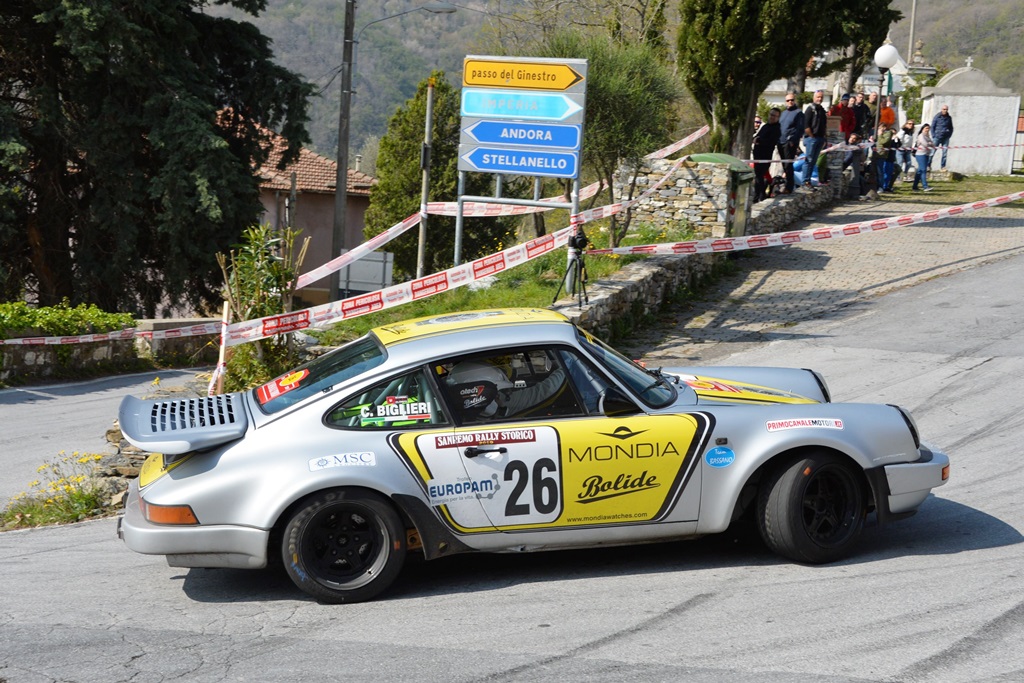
<point>575,280</point>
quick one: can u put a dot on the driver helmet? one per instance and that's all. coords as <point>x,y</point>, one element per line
<point>476,384</point>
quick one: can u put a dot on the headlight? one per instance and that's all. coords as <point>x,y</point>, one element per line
<point>911,425</point>
<point>821,384</point>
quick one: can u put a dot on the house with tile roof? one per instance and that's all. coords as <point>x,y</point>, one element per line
<point>302,195</point>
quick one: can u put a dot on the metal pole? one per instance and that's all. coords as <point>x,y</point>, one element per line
<point>458,218</point>
<point>341,187</point>
<point>425,187</point>
<point>910,46</point>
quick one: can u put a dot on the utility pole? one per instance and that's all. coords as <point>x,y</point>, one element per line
<point>341,189</point>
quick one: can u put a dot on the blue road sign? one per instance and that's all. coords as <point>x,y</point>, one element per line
<point>528,162</point>
<point>536,135</point>
<point>522,105</point>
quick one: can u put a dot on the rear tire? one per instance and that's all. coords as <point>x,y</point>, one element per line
<point>812,508</point>
<point>344,546</point>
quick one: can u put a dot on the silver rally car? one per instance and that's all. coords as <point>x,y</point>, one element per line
<point>500,431</point>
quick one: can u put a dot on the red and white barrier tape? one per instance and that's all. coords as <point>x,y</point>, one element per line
<point>865,145</point>
<point>676,146</point>
<point>397,295</point>
<point>362,250</point>
<point>727,244</point>
<point>118,335</point>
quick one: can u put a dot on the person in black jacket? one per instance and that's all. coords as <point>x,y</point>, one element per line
<point>766,139</point>
<point>815,126</point>
<point>791,127</point>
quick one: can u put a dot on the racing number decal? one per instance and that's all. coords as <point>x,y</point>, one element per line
<point>483,479</point>
<point>544,487</point>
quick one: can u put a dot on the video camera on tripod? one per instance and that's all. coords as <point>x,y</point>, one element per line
<point>575,280</point>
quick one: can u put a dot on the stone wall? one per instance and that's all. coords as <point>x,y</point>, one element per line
<point>44,361</point>
<point>20,363</point>
<point>701,194</point>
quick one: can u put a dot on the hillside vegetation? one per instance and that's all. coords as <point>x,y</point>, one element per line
<point>392,56</point>
<point>990,31</point>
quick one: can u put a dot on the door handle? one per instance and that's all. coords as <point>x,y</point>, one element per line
<point>473,451</point>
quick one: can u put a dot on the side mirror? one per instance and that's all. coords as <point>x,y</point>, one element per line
<point>614,403</point>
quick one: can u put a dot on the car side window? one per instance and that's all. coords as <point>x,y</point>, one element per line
<point>507,385</point>
<point>590,384</point>
<point>407,401</point>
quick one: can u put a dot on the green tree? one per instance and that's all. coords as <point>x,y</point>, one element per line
<point>730,50</point>
<point>397,192</point>
<point>130,135</point>
<point>259,280</point>
<point>631,95</point>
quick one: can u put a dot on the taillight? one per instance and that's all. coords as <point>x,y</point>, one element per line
<point>177,515</point>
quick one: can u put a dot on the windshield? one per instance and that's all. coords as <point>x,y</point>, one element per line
<point>319,374</point>
<point>653,388</point>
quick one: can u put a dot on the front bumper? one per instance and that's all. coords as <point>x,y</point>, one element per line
<point>910,483</point>
<point>900,488</point>
<point>192,546</point>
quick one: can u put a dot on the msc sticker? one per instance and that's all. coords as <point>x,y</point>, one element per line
<point>447,492</point>
<point>364,459</point>
<point>720,457</point>
<point>804,422</point>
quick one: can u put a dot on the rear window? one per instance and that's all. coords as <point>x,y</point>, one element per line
<point>320,374</point>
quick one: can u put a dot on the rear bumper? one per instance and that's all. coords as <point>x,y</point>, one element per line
<point>192,546</point>
<point>900,488</point>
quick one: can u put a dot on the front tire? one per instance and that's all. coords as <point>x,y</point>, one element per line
<point>344,546</point>
<point>812,509</point>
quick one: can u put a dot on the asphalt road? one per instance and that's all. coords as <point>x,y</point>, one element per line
<point>938,597</point>
<point>37,423</point>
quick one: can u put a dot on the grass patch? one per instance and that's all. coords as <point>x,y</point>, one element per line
<point>65,492</point>
<point>964,189</point>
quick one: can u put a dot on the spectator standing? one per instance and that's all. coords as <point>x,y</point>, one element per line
<point>888,113</point>
<point>854,160</point>
<point>847,119</point>
<point>942,131</point>
<point>923,148</point>
<point>766,139</point>
<point>869,125</point>
<point>791,127</point>
<point>906,149</point>
<point>863,113</point>
<point>815,126</point>
<point>884,144</point>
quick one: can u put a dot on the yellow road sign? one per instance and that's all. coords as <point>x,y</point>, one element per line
<point>513,74</point>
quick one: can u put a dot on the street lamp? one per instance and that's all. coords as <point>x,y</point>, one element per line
<point>885,59</point>
<point>347,67</point>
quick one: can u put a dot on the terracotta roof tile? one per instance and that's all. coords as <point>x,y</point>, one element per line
<point>313,173</point>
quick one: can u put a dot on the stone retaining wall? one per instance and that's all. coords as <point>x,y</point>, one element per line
<point>39,362</point>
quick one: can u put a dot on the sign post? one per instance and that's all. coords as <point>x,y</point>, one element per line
<point>521,116</point>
